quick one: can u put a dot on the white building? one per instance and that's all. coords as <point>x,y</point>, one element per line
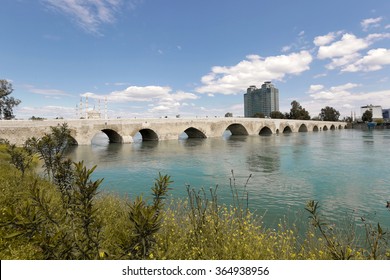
<point>93,114</point>
<point>375,109</point>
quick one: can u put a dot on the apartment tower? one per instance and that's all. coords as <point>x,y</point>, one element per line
<point>261,100</point>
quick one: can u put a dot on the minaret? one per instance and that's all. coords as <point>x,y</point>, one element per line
<point>86,107</point>
<point>80,108</point>
<point>105,107</point>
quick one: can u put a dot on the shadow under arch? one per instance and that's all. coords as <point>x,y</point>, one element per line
<point>332,127</point>
<point>265,131</point>
<point>148,135</point>
<point>237,129</point>
<point>287,129</point>
<point>72,141</point>
<point>113,136</point>
<point>192,132</point>
<point>302,128</point>
<point>325,128</point>
<point>315,128</point>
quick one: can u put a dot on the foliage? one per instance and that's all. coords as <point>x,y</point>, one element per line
<point>7,103</point>
<point>367,116</point>
<point>258,115</point>
<point>347,119</point>
<point>51,149</point>
<point>33,118</point>
<point>277,115</point>
<point>21,158</point>
<point>329,114</point>
<point>228,115</point>
<point>146,221</point>
<point>297,112</point>
<point>337,249</point>
<point>38,215</point>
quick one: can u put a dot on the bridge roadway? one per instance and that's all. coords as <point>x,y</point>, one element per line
<point>124,130</point>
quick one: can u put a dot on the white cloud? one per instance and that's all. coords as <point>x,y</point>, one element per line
<point>162,98</point>
<point>374,60</point>
<point>325,39</point>
<point>348,45</point>
<point>344,87</point>
<point>47,92</point>
<point>333,93</point>
<point>320,75</point>
<point>27,112</point>
<point>286,48</point>
<point>315,88</point>
<point>254,69</point>
<point>89,14</point>
<point>370,22</point>
<point>371,38</point>
<point>342,61</point>
<point>345,53</point>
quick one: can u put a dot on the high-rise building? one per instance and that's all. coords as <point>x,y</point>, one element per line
<point>261,100</point>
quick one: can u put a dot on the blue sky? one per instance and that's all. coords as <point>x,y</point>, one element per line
<point>155,58</point>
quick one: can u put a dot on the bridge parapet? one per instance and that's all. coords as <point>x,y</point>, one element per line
<point>124,130</point>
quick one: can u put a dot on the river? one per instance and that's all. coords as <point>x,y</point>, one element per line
<point>346,170</point>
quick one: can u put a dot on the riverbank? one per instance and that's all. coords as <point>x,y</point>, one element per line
<point>364,126</point>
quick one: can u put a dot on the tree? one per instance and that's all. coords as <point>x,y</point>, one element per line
<point>21,157</point>
<point>258,115</point>
<point>277,115</point>
<point>297,112</point>
<point>7,103</point>
<point>228,115</point>
<point>329,114</point>
<point>367,116</point>
<point>51,149</point>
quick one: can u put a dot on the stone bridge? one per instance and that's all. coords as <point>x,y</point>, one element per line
<point>124,130</point>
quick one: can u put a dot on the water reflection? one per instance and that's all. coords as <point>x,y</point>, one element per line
<point>192,142</point>
<point>263,163</point>
<point>145,145</point>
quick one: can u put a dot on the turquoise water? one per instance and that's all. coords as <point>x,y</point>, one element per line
<point>348,171</point>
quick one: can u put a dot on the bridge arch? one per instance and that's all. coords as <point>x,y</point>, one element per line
<point>287,129</point>
<point>302,128</point>
<point>113,136</point>
<point>148,134</point>
<point>332,127</point>
<point>315,128</point>
<point>265,131</point>
<point>325,128</point>
<point>193,132</point>
<point>73,137</point>
<point>237,129</point>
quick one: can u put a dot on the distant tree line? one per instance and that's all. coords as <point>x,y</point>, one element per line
<point>297,112</point>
